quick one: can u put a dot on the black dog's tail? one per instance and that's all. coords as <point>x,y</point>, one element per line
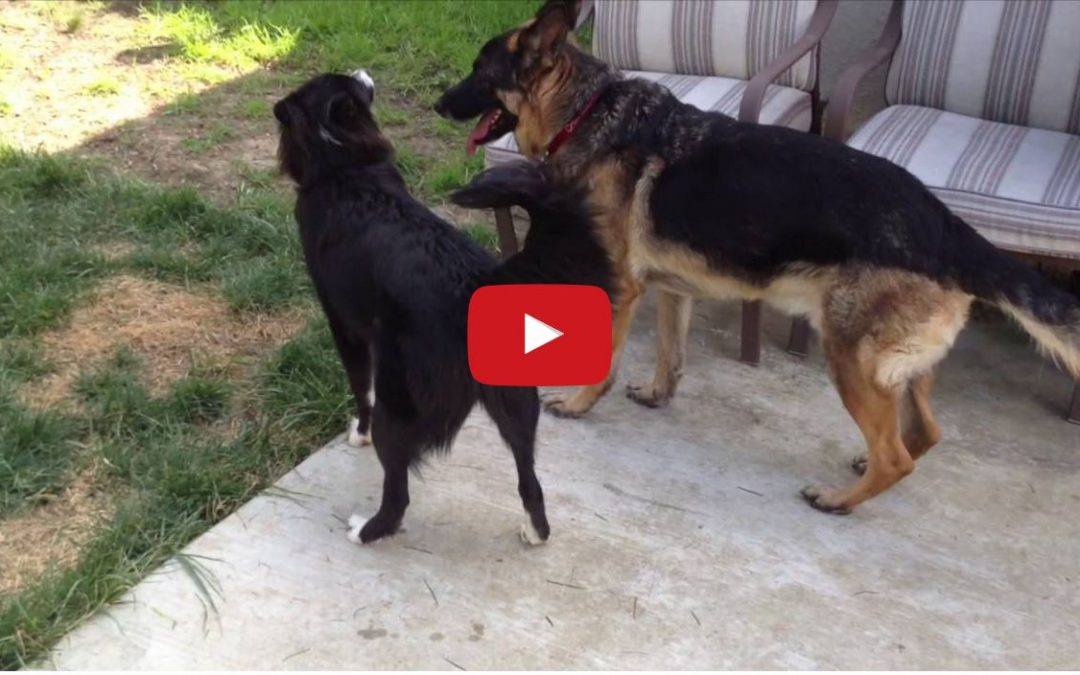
<point>1049,314</point>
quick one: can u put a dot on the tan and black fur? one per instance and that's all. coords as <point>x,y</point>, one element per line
<point>699,205</point>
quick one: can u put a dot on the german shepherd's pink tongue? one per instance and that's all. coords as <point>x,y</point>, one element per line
<point>478,135</point>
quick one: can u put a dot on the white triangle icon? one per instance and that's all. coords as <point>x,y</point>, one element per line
<point>538,333</point>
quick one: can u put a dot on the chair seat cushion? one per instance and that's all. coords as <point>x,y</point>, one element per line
<point>1019,186</point>
<point>783,106</point>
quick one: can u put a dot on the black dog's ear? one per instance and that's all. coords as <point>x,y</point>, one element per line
<point>341,110</point>
<point>553,23</point>
<point>286,111</point>
<point>519,183</point>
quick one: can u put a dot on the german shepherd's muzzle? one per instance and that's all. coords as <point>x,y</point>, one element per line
<point>504,72</point>
<point>475,97</point>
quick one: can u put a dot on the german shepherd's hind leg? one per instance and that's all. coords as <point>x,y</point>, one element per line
<point>672,324</point>
<point>516,411</point>
<point>875,409</point>
<point>918,429</point>
<point>396,447</point>
<point>584,398</point>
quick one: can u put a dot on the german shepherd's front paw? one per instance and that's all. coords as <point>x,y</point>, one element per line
<point>648,395</point>
<point>824,499</point>
<point>560,405</point>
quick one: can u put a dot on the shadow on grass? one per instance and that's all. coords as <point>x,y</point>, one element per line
<point>222,139</point>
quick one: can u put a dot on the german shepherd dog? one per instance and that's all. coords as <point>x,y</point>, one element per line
<point>395,281</point>
<point>701,205</point>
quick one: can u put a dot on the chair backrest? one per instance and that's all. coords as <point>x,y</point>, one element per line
<point>727,38</point>
<point>1012,61</point>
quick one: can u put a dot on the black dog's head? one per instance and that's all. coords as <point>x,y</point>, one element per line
<point>506,73</point>
<point>327,122</point>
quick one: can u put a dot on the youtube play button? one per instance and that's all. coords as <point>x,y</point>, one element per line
<point>539,335</point>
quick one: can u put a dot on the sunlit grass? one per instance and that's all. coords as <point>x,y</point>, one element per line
<point>201,39</point>
<point>416,46</point>
<point>103,86</point>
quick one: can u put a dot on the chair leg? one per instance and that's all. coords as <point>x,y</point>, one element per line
<point>816,108</point>
<point>751,332</point>
<point>504,226</point>
<point>799,342</point>
<point>1074,409</point>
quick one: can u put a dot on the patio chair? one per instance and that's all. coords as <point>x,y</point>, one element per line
<point>983,105</point>
<point>757,60</point>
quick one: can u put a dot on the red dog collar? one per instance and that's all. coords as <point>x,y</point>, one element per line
<point>567,131</point>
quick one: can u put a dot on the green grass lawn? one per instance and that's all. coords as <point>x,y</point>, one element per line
<point>169,475</point>
<point>174,460</point>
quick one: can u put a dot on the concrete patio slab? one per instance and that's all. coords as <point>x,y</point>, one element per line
<point>679,539</point>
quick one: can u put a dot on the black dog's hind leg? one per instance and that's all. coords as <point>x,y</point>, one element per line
<point>516,411</point>
<point>358,368</point>
<point>355,353</point>
<point>396,449</point>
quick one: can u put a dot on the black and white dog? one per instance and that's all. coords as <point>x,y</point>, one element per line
<point>395,282</point>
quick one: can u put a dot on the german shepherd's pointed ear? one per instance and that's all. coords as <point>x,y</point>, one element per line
<point>520,183</point>
<point>547,34</point>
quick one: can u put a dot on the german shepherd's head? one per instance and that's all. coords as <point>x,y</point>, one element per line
<point>327,124</point>
<point>515,79</point>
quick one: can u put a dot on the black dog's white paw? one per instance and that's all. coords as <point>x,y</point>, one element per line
<point>356,523</point>
<point>530,536</point>
<point>355,438</point>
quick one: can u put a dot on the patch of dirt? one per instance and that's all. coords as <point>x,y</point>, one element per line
<point>50,534</point>
<point>153,148</point>
<point>168,327</point>
<point>53,73</point>
<point>103,92</point>
<point>114,250</point>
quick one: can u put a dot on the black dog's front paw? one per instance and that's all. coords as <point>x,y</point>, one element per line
<point>366,531</point>
<point>535,533</point>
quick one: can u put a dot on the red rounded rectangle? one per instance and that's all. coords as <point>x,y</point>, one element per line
<point>539,335</point>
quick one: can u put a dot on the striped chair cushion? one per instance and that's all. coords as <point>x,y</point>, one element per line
<point>782,106</point>
<point>1012,61</point>
<point>728,38</point>
<point>1020,187</point>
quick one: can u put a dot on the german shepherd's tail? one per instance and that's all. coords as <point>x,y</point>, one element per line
<point>561,246</point>
<point>1048,313</point>
<point>520,183</point>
